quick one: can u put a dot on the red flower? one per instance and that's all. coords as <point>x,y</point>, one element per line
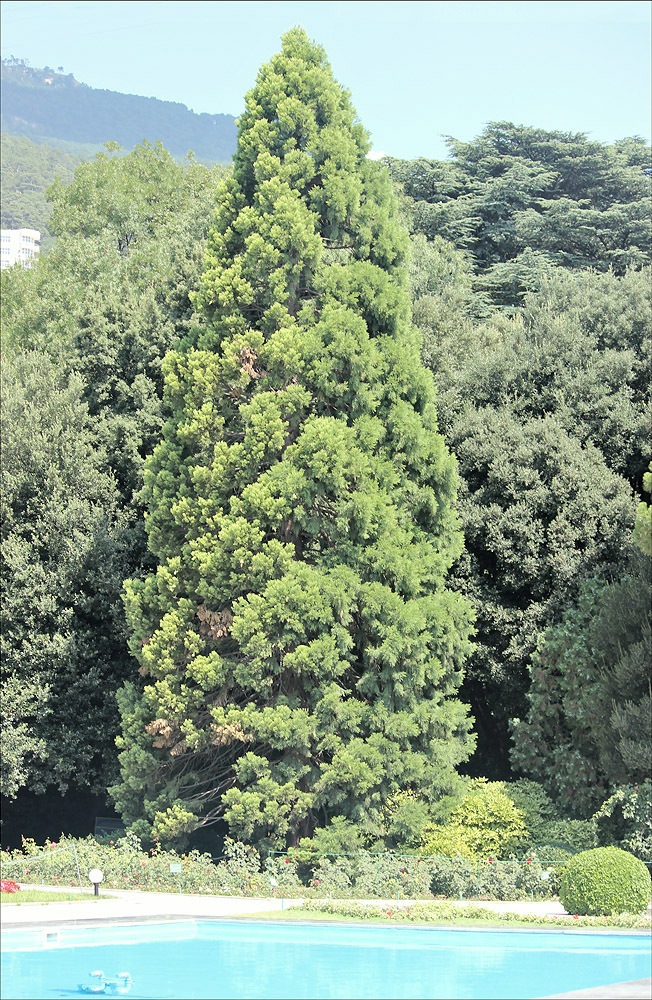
<point>491,861</point>
<point>529,861</point>
<point>316,881</point>
<point>575,917</point>
<point>8,886</point>
<point>287,861</point>
<point>402,871</point>
<point>110,841</point>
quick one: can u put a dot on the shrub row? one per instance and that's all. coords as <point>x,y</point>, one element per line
<point>295,874</point>
<point>437,912</point>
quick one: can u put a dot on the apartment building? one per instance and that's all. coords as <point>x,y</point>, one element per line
<point>18,246</point>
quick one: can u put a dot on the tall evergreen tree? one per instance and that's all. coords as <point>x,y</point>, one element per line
<point>525,202</point>
<point>301,653</point>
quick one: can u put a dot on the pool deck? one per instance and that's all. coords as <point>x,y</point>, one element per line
<point>635,989</point>
<point>128,906</point>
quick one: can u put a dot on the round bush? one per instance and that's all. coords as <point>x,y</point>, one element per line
<point>604,880</point>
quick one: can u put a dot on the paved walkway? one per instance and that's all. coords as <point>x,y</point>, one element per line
<point>126,904</point>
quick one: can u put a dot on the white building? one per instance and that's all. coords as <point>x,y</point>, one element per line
<point>19,246</point>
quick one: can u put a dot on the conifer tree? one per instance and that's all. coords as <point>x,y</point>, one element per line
<point>300,651</point>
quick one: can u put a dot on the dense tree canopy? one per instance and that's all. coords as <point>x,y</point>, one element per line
<point>548,413</point>
<point>28,170</point>
<point>84,334</point>
<point>63,558</point>
<point>525,201</point>
<point>588,725</point>
<point>300,650</point>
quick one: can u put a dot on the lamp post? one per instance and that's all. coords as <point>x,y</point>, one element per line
<point>96,876</point>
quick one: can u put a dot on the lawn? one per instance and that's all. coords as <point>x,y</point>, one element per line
<point>43,896</point>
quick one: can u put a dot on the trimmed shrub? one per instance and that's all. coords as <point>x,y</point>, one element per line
<point>605,880</point>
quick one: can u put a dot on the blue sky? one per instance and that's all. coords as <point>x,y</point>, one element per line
<point>416,70</point>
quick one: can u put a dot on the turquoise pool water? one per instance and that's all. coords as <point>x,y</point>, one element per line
<point>192,960</point>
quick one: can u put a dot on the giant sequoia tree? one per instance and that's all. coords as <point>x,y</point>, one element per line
<point>300,651</point>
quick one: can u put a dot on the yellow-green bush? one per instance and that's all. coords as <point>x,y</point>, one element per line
<point>486,822</point>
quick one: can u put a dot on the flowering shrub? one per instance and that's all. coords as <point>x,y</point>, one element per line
<point>449,912</point>
<point>7,886</point>
<point>124,864</point>
<point>297,873</point>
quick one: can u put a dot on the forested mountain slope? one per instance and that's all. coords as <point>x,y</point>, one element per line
<point>28,170</point>
<point>44,104</point>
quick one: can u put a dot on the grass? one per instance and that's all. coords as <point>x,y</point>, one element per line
<point>43,896</point>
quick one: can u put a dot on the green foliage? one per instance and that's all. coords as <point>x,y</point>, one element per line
<point>339,837</point>
<point>579,350</point>
<point>494,878</point>
<point>525,201</point>
<point>44,104</point>
<point>605,880</point>
<point>643,525</point>
<point>63,556</point>
<point>84,335</point>
<point>625,820</point>
<point>243,872</point>
<point>535,805</point>
<point>548,415</point>
<point>572,835</point>
<point>550,833</point>
<point>126,866</point>
<point>485,822</point>
<point>449,913</point>
<point>594,665</point>
<point>539,512</point>
<point>22,747</point>
<point>28,170</point>
<point>301,652</point>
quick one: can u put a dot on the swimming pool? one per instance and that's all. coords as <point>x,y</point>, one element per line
<point>197,959</point>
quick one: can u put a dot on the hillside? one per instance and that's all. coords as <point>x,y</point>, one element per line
<point>28,170</point>
<point>47,106</point>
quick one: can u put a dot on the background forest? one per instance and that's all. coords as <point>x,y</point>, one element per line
<point>526,309</point>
